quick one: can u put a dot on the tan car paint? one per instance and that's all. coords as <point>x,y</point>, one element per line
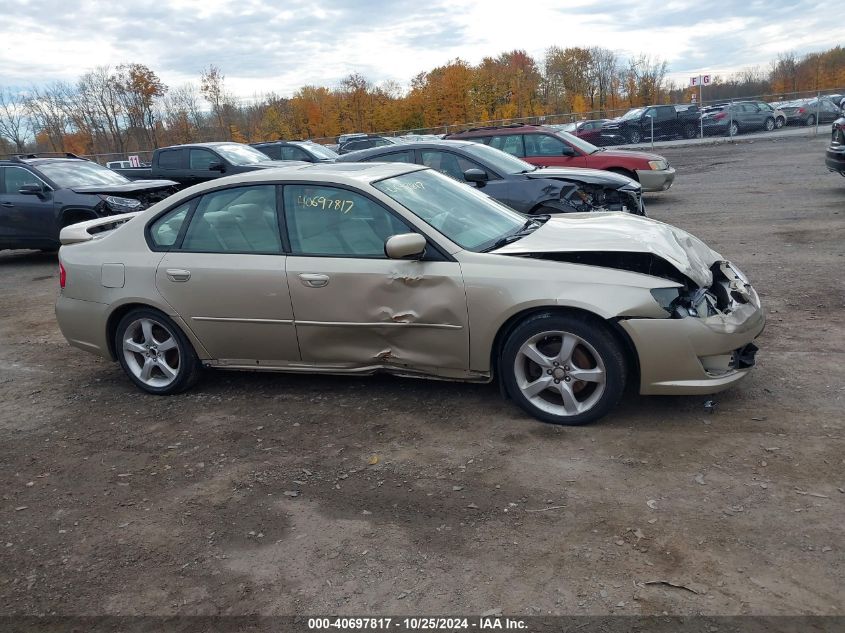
<point>409,317</point>
<point>238,305</point>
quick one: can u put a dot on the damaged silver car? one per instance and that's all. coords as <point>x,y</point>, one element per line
<point>359,268</point>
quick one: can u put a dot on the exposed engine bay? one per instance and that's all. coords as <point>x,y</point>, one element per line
<point>583,197</point>
<point>728,290</point>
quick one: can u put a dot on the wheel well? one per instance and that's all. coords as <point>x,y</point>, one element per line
<point>624,172</point>
<point>621,336</point>
<point>72,216</point>
<point>114,319</point>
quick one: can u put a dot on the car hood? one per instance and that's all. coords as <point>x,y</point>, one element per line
<point>621,233</point>
<point>582,174</point>
<point>275,164</point>
<point>133,186</point>
<point>625,153</point>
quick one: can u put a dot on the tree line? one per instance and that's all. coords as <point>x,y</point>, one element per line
<point>128,108</point>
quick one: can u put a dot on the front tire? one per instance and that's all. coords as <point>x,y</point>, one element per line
<point>690,132</point>
<point>733,129</point>
<point>634,136</point>
<point>780,122</point>
<point>769,124</point>
<point>155,353</point>
<point>563,369</point>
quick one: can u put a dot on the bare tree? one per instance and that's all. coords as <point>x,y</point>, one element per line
<point>45,106</point>
<point>14,122</point>
<point>213,91</point>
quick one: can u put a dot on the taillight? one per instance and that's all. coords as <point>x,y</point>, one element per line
<point>62,276</point>
<point>801,110</point>
<point>720,116</point>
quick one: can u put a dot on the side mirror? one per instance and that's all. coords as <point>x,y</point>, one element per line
<point>31,190</point>
<point>478,176</point>
<point>567,151</point>
<point>405,246</point>
<point>217,166</point>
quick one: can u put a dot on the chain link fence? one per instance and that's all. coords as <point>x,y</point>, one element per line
<point>799,113</point>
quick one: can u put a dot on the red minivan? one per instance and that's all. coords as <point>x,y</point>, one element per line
<point>547,147</point>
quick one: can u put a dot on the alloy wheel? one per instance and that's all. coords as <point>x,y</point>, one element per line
<point>560,373</point>
<point>151,352</point>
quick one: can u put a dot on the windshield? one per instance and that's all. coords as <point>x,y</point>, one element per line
<point>499,161</point>
<point>80,174</point>
<point>632,114</point>
<point>238,154</point>
<point>322,151</point>
<point>579,143</point>
<point>466,216</point>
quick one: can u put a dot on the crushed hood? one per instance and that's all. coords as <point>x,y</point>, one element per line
<point>134,186</point>
<point>620,233</point>
<point>582,174</point>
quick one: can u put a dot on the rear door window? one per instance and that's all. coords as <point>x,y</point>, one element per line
<point>237,220</point>
<point>170,159</point>
<point>511,143</point>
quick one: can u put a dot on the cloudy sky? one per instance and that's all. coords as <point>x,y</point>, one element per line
<point>279,45</point>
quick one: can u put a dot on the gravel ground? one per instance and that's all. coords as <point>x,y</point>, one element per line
<point>277,494</point>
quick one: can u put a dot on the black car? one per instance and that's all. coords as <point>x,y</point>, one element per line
<point>514,182</point>
<point>366,142</point>
<point>40,195</point>
<point>835,157</point>
<point>306,151</point>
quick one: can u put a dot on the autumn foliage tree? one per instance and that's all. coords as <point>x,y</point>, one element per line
<point>128,109</point>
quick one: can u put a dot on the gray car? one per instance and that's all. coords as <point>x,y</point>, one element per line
<point>740,116</point>
<point>518,184</point>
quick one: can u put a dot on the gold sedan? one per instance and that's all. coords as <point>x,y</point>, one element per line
<point>359,268</point>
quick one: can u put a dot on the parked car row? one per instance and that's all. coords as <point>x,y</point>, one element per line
<point>688,120</point>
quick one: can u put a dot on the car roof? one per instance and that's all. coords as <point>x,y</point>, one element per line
<point>514,128</point>
<point>41,160</point>
<point>404,147</point>
<point>341,173</point>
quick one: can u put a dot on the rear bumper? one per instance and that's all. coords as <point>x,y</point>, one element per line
<point>83,324</point>
<point>693,355</point>
<point>834,159</point>
<point>656,180</point>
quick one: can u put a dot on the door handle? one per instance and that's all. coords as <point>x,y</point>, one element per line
<point>6,204</point>
<point>177,274</point>
<point>314,280</point>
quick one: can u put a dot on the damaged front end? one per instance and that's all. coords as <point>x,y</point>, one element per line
<point>585,197</point>
<point>705,342</point>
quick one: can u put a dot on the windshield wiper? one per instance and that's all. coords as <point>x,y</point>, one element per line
<point>531,224</point>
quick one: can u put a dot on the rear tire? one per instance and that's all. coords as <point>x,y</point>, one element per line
<point>690,132</point>
<point>733,129</point>
<point>811,120</point>
<point>155,353</point>
<point>780,122</point>
<point>563,369</point>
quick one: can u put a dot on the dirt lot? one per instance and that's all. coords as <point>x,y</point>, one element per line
<point>120,503</point>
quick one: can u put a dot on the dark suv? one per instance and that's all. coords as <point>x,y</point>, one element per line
<point>835,157</point>
<point>39,196</point>
<point>307,151</point>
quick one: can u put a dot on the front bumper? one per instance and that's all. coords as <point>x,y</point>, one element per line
<point>656,180</point>
<point>834,159</point>
<point>687,356</point>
